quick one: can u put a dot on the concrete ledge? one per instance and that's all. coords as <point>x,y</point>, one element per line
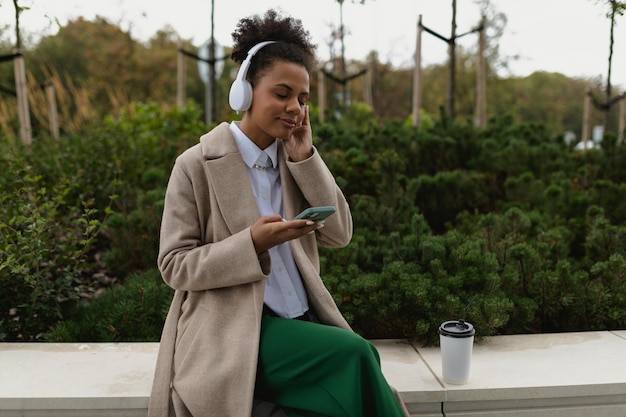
<point>87,379</point>
<point>549,375</point>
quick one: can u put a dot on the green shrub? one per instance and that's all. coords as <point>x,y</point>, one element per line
<point>148,138</point>
<point>135,237</point>
<point>539,222</point>
<point>44,243</point>
<point>133,312</point>
<point>423,280</point>
<point>442,214</point>
<point>58,195</point>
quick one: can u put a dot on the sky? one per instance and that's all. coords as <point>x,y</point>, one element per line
<point>570,37</point>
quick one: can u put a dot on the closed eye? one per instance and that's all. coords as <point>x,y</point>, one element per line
<point>301,101</point>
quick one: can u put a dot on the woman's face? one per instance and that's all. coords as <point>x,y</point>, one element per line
<point>278,100</point>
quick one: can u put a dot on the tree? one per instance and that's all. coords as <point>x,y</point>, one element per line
<point>452,54</point>
<point>343,77</point>
<point>108,63</point>
<point>18,11</point>
<point>616,8</point>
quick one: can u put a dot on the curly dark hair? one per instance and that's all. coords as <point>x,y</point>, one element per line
<point>293,42</point>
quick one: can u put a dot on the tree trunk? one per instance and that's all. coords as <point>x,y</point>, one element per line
<point>417,76</point>
<point>607,116</point>
<point>18,39</point>
<point>452,57</point>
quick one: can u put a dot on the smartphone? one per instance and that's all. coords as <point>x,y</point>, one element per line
<point>316,213</point>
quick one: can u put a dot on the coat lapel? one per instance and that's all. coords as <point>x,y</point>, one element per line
<point>228,180</point>
<point>292,196</point>
<point>231,186</point>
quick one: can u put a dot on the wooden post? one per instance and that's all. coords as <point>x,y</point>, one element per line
<point>344,71</point>
<point>481,79</point>
<point>417,76</point>
<point>180,86</point>
<point>622,119</point>
<point>321,94</point>
<point>586,114</point>
<point>53,114</point>
<point>369,82</point>
<point>22,98</point>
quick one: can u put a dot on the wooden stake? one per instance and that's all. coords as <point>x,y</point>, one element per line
<point>321,94</point>
<point>180,86</point>
<point>586,114</point>
<point>481,79</point>
<point>368,83</point>
<point>53,114</point>
<point>22,99</point>
<point>417,76</point>
<point>622,119</point>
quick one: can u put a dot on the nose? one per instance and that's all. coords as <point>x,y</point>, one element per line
<point>293,106</point>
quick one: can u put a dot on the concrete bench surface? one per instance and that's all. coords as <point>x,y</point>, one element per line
<point>547,375</point>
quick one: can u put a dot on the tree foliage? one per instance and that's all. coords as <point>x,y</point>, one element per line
<point>103,68</point>
<point>109,63</point>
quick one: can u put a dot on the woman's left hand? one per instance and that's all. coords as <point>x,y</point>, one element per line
<point>299,145</point>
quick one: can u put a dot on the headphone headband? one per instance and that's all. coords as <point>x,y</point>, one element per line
<point>256,48</point>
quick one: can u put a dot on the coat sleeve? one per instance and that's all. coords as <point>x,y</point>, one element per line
<point>187,261</point>
<point>320,189</point>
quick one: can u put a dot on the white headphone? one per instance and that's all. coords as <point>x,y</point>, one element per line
<point>240,97</point>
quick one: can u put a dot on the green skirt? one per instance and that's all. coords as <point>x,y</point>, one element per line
<point>311,369</point>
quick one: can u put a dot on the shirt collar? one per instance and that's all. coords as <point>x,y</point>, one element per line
<point>248,149</point>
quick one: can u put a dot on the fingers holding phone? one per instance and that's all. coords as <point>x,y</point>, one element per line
<point>270,231</point>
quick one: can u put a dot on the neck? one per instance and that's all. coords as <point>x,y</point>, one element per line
<point>260,138</point>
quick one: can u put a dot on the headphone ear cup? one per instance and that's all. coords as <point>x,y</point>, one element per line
<point>240,96</point>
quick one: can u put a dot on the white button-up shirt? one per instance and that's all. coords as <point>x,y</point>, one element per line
<point>284,290</point>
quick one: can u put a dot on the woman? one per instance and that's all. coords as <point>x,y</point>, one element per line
<point>251,317</point>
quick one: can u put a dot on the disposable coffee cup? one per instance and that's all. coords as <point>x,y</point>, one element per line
<point>456,339</point>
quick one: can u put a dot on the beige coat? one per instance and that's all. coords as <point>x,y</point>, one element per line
<point>209,346</point>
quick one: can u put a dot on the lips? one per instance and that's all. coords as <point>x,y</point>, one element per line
<point>288,123</point>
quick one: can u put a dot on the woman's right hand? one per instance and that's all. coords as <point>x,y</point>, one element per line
<point>270,231</point>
